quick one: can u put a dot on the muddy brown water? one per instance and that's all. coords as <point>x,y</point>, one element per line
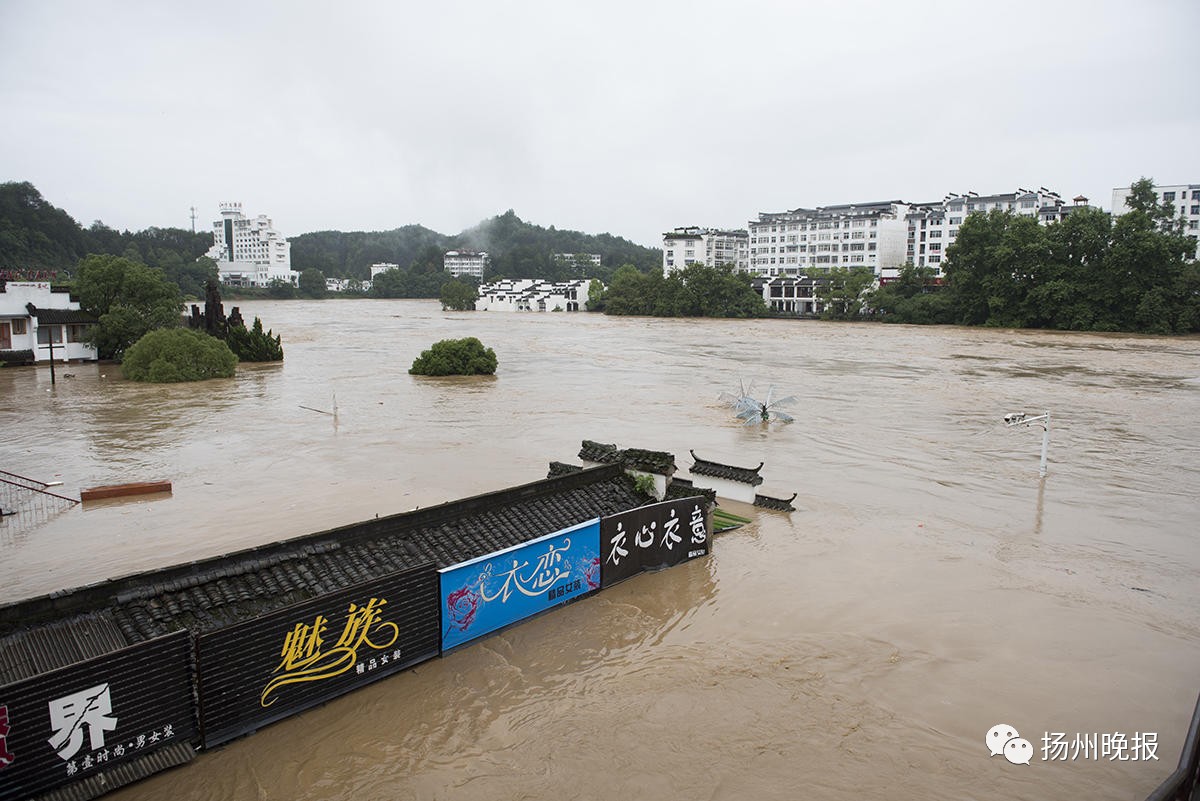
<point>928,587</point>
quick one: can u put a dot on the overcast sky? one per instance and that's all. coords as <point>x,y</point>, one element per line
<point>626,117</point>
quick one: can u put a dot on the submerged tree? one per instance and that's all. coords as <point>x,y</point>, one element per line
<point>465,356</point>
<point>170,355</point>
<point>128,298</point>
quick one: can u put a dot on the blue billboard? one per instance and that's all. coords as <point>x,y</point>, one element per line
<point>488,593</point>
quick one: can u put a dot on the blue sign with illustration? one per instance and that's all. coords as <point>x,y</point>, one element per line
<point>488,593</point>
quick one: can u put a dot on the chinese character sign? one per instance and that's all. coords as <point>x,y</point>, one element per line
<point>262,670</point>
<point>651,537</point>
<point>306,656</point>
<point>493,591</point>
<point>71,723</point>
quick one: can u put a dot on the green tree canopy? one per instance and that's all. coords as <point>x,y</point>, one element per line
<point>465,356</point>
<point>169,355</point>
<point>281,289</point>
<point>843,292</point>
<point>128,298</point>
<point>253,345</point>
<point>458,296</point>
<point>312,283</point>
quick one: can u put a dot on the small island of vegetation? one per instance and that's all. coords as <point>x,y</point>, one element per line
<point>169,355</point>
<point>465,356</point>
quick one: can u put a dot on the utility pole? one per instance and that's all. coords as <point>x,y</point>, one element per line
<point>50,339</point>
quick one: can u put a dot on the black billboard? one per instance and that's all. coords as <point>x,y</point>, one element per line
<point>75,722</point>
<point>653,537</point>
<point>266,669</point>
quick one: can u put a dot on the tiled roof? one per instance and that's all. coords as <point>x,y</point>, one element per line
<point>778,504</point>
<point>599,452</point>
<point>634,458</point>
<point>59,316</point>
<point>683,488</point>
<point>745,475</point>
<point>561,469</point>
<point>208,595</point>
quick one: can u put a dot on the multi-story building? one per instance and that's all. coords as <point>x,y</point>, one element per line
<point>804,241</point>
<point>579,258</point>
<point>533,294</point>
<point>1184,198</point>
<point>707,246</point>
<point>933,227</point>
<point>382,267</point>
<point>250,252</point>
<point>465,262</point>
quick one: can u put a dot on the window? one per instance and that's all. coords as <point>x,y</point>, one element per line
<point>935,234</point>
<point>1196,194</point>
<point>76,332</point>
<point>18,327</point>
<point>956,220</point>
<point>1168,196</point>
<point>1027,204</point>
<point>1195,209</point>
<point>49,333</point>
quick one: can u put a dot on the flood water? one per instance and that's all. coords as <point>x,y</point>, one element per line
<point>929,586</point>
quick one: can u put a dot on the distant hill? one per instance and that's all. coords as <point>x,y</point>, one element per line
<point>40,240</point>
<point>518,249</point>
<point>37,237</point>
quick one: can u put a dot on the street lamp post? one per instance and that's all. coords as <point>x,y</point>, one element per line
<point>1021,419</point>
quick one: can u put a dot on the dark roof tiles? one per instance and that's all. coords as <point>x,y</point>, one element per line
<point>744,475</point>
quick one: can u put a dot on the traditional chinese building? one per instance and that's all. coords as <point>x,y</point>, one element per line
<point>106,684</point>
<point>37,320</point>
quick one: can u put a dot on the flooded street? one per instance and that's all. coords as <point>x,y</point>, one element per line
<point>929,586</point>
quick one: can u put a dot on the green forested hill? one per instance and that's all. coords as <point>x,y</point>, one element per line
<point>39,240</point>
<point>518,249</point>
<point>36,237</point>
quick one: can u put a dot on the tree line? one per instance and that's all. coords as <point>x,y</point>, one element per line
<point>1090,272</point>
<point>37,239</point>
<point>518,249</point>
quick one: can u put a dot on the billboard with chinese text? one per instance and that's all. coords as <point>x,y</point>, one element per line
<point>74,722</point>
<point>266,669</point>
<point>652,537</point>
<point>488,593</point>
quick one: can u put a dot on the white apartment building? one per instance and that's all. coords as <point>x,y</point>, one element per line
<point>465,262</point>
<point>803,241</point>
<point>933,227</point>
<point>382,267</point>
<point>250,252</point>
<point>707,246</point>
<point>1184,198</point>
<point>579,258</point>
<point>533,294</point>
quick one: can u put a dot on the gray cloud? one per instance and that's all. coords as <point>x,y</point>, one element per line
<point>624,117</point>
